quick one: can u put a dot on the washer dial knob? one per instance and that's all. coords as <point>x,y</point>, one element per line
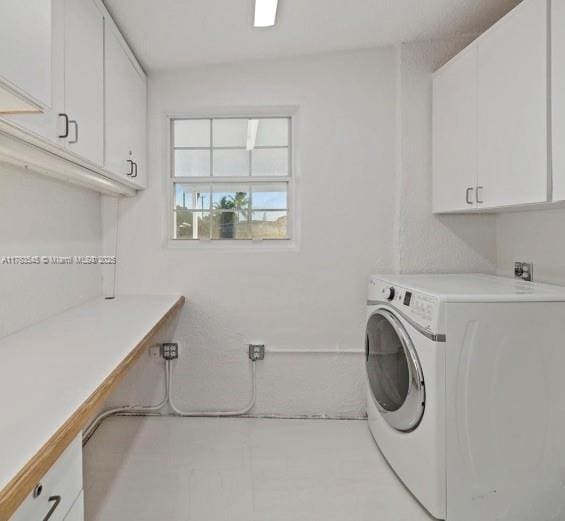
<point>389,293</point>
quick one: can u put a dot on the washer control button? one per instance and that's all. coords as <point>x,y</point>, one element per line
<point>389,293</point>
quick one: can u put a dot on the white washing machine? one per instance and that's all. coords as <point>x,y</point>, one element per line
<point>466,400</point>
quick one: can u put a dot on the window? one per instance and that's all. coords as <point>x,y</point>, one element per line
<point>231,178</point>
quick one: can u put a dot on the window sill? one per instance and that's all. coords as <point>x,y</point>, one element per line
<point>288,245</point>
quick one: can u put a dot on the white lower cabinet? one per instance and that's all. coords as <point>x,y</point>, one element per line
<point>55,496</point>
<point>77,510</point>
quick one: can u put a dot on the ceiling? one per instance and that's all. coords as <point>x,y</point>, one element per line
<point>168,34</point>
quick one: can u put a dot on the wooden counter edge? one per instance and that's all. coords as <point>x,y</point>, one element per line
<point>14,493</point>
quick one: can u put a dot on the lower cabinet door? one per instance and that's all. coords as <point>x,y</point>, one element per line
<point>56,493</point>
<point>77,510</point>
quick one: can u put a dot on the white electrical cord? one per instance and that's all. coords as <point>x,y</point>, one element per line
<point>329,351</point>
<point>146,410</point>
<point>211,414</point>
<point>128,409</point>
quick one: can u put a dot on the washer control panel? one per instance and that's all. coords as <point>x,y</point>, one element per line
<point>419,307</point>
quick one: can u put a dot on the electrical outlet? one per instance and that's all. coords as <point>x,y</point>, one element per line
<point>524,270</point>
<point>170,351</point>
<point>256,352</point>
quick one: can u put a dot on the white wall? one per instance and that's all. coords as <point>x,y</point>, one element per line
<point>310,299</point>
<point>535,236</point>
<point>426,242</point>
<point>41,216</point>
<point>364,146</point>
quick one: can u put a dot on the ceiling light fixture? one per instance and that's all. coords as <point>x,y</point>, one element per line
<point>252,127</point>
<point>265,13</point>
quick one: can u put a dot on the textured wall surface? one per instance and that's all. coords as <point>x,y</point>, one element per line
<point>364,146</point>
<point>535,236</point>
<point>426,242</point>
<point>313,298</point>
<point>41,216</point>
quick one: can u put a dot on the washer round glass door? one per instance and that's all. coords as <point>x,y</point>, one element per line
<point>395,374</point>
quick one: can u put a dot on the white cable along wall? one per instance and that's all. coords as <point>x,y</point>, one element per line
<point>168,399</point>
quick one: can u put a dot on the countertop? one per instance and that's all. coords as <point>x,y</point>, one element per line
<point>53,374</point>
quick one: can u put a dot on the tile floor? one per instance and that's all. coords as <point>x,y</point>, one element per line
<point>175,469</point>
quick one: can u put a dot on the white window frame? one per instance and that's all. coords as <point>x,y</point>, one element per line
<point>289,244</point>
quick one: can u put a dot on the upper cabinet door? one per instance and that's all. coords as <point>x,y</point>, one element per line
<point>25,56</point>
<point>558,98</point>
<point>139,95</point>
<point>455,134</point>
<point>49,124</point>
<point>513,162</point>
<point>119,126</point>
<point>125,111</point>
<point>84,79</point>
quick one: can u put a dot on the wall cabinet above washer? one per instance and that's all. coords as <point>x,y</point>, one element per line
<point>455,134</point>
<point>491,148</point>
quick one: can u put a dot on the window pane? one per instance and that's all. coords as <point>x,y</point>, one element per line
<point>192,197</point>
<point>270,161</point>
<point>230,225</point>
<point>192,132</point>
<point>272,132</point>
<point>190,224</point>
<point>230,197</point>
<point>192,163</point>
<point>230,132</point>
<point>269,225</point>
<point>270,196</point>
<point>231,163</point>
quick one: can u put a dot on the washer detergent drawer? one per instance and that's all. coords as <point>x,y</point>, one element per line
<point>54,496</point>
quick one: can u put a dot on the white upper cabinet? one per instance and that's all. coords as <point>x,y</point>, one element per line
<point>558,98</point>
<point>84,79</point>
<point>93,132</point>
<point>25,57</point>
<point>126,99</point>
<point>491,118</point>
<point>513,108</point>
<point>48,123</point>
<point>455,134</point>
<point>139,95</point>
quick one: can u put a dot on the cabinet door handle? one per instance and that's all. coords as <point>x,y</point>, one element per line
<point>135,167</point>
<point>75,124</point>
<point>65,134</point>
<point>478,195</point>
<point>131,163</point>
<point>468,193</point>
<point>55,500</point>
